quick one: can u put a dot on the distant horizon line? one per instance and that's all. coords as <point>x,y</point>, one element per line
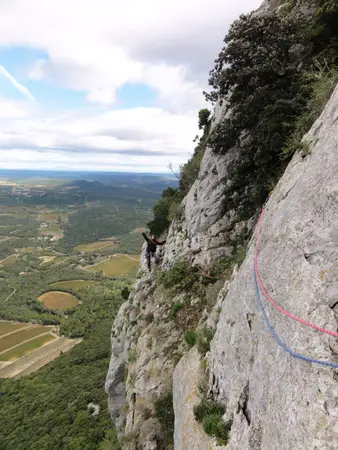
<point>86,171</point>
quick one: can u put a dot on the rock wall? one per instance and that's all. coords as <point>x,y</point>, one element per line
<point>206,229</point>
<point>273,401</point>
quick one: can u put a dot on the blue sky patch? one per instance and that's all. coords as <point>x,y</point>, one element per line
<point>134,95</point>
<point>17,59</point>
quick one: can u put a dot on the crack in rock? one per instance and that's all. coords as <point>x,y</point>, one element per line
<point>243,404</point>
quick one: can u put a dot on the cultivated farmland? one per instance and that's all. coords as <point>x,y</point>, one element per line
<point>49,217</point>
<point>12,339</point>
<point>94,246</point>
<point>46,259</point>
<point>54,231</point>
<point>74,284</point>
<point>116,265</point>
<point>58,300</point>
<point>9,327</point>
<point>25,347</point>
<point>9,260</point>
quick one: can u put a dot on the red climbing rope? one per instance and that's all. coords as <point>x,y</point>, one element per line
<point>271,300</point>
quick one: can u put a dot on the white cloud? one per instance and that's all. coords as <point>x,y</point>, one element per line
<point>10,109</point>
<point>24,91</point>
<point>96,47</point>
<point>140,138</point>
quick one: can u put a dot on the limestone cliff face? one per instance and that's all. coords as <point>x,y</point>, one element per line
<point>147,336</point>
<point>206,228</point>
<point>272,400</point>
<point>276,401</point>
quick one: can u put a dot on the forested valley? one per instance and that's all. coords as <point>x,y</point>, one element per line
<point>69,253</point>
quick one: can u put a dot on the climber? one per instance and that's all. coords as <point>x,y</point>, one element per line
<point>151,248</point>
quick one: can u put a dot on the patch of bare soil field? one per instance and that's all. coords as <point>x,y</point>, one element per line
<point>37,359</point>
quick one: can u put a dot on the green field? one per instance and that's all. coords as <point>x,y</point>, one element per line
<point>40,181</point>
<point>94,246</point>
<point>9,260</point>
<point>14,211</point>
<point>8,327</point>
<point>83,230</point>
<point>28,249</point>
<point>118,265</point>
<point>46,259</point>
<point>27,347</point>
<point>58,300</point>
<point>73,284</point>
<point>59,260</point>
<point>7,342</point>
<point>53,231</point>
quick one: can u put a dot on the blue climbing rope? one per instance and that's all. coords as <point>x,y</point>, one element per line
<point>276,337</point>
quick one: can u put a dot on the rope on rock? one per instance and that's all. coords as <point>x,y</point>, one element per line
<point>271,300</point>
<point>277,339</point>
<point>273,333</point>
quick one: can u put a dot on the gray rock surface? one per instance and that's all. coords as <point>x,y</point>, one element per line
<point>114,385</point>
<point>187,376</point>
<point>204,232</point>
<point>203,229</point>
<point>278,402</point>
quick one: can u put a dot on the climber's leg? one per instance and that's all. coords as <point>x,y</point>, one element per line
<point>148,257</point>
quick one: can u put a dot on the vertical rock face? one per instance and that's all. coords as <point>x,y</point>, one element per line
<point>187,376</point>
<point>274,400</point>
<point>206,227</point>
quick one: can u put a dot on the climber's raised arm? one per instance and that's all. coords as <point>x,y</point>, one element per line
<point>145,237</point>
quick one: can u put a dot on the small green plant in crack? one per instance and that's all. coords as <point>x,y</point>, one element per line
<point>204,338</point>
<point>180,274</point>
<point>175,308</point>
<point>305,148</point>
<point>209,414</point>
<point>203,384</point>
<point>164,412</point>
<point>204,364</point>
<point>125,408</point>
<point>132,355</point>
<point>176,358</point>
<point>131,379</point>
<point>224,266</point>
<point>190,338</point>
<point>214,426</point>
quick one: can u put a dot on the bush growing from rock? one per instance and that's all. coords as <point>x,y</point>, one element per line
<point>210,414</point>
<point>190,338</point>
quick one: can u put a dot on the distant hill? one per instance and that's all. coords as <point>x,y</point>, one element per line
<point>94,191</point>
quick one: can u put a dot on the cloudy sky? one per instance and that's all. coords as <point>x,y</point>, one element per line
<point>106,84</point>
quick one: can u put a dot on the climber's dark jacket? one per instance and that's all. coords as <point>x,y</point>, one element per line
<point>152,243</point>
